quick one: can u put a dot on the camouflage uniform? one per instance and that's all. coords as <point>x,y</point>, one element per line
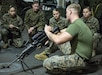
<point>34,19</point>
<point>93,24</point>
<point>14,34</point>
<point>65,62</point>
<point>75,57</point>
<point>61,23</point>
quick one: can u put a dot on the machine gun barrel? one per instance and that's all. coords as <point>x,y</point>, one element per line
<point>22,55</point>
<point>38,39</point>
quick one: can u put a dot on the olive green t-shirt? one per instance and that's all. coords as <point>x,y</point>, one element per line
<point>81,42</point>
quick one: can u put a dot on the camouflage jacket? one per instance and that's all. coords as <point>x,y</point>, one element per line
<point>33,19</point>
<point>62,23</point>
<point>92,23</point>
<point>7,20</point>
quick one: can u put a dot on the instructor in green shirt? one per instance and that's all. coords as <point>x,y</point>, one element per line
<point>80,37</point>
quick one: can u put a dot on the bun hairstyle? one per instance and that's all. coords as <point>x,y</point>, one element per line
<point>11,6</point>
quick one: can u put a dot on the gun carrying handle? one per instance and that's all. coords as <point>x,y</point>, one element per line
<point>56,30</point>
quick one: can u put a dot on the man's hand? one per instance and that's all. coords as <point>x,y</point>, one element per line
<point>12,26</point>
<point>47,28</point>
<point>30,29</point>
<point>59,38</point>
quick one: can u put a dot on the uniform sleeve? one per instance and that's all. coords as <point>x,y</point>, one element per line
<point>73,30</point>
<point>4,22</point>
<point>66,23</point>
<point>26,20</point>
<point>51,23</point>
<point>20,23</point>
<point>41,22</point>
<point>96,24</point>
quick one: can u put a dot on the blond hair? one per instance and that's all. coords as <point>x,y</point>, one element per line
<point>75,7</point>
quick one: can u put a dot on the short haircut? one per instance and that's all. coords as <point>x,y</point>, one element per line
<point>87,7</point>
<point>75,6</point>
<point>56,9</point>
<point>35,2</point>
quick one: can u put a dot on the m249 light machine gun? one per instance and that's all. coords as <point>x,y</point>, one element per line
<point>39,39</point>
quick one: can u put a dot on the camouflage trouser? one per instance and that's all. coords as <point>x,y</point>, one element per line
<point>96,39</point>
<point>15,40</point>
<point>52,48</point>
<point>18,42</point>
<point>65,62</point>
<point>65,48</point>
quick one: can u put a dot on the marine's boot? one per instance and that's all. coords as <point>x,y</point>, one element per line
<point>42,56</point>
<point>5,45</point>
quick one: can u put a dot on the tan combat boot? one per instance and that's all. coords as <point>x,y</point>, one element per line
<point>42,56</point>
<point>5,45</point>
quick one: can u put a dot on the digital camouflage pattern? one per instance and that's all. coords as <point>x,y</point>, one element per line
<point>93,24</point>
<point>65,48</point>
<point>71,59</point>
<point>61,23</point>
<point>15,33</point>
<point>34,19</point>
<point>65,62</point>
<point>16,21</point>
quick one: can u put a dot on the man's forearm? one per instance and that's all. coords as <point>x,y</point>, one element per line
<point>50,35</point>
